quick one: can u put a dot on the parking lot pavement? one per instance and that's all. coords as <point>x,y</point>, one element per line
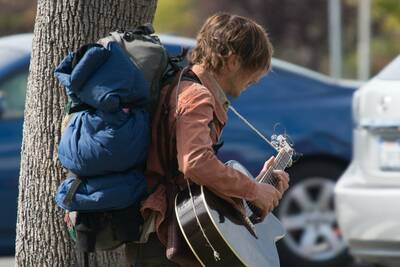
<point>7,262</point>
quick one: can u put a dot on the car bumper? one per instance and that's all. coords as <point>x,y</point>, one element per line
<point>369,219</point>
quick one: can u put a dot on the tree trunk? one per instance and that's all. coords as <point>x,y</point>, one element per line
<point>60,26</point>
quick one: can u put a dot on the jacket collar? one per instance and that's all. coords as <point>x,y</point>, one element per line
<point>222,102</point>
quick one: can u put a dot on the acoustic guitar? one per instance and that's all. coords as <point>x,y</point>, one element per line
<point>221,235</point>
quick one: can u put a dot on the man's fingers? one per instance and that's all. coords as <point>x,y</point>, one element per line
<point>281,175</point>
<point>283,178</point>
<point>276,203</point>
<point>278,194</point>
<point>283,186</point>
<point>268,163</point>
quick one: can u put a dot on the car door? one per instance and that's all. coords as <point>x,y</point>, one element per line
<point>12,98</point>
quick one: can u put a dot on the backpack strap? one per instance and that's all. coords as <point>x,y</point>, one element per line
<point>72,190</point>
<point>167,149</point>
<point>189,75</point>
<point>163,147</point>
<point>145,29</point>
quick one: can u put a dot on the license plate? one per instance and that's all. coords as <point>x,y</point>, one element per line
<point>390,155</point>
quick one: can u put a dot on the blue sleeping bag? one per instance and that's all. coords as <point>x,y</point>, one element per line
<point>106,138</point>
<point>104,78</point>
<point>97,143</point>
<point>102,193</point>
<point>106,144</point>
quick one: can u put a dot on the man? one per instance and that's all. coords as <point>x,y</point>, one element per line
<point>232,53</point>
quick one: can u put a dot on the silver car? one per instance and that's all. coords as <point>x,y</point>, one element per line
<point>367,196</point>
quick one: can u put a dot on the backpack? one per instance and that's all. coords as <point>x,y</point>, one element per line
<point>113,88</point>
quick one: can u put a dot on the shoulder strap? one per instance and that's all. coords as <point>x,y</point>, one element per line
<point>189,75</point>
<point>72,190</point>
<point>168,151</point>
<point>164,147</point>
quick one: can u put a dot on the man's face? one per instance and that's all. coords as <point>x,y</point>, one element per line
<point>240,80</point>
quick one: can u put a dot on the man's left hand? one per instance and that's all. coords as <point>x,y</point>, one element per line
<point>283,180</point>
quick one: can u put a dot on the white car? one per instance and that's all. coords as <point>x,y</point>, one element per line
<point>367,196</point>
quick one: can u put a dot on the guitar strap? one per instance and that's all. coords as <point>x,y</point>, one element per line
<point>251,126</point>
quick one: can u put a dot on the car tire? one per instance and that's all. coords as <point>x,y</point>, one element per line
<point>313,240</point>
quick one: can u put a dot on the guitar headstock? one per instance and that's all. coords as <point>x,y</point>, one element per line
<point>282,145</point>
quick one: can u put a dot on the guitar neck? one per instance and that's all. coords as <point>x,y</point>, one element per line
<point>280,163</point>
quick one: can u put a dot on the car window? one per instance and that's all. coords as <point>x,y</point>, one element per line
<point>392,71</point>
<point>12,96</point>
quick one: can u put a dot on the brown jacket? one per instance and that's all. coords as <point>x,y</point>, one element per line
<point>200,115</point>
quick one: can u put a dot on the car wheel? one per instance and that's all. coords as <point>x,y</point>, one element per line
<point>313,238</point>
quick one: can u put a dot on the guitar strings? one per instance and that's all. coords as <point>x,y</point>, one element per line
<point>280,163</point>
<point>243,119</point>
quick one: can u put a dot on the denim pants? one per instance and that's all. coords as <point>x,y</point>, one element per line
<point>150,254</point>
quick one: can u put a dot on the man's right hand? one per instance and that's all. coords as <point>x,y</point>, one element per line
<point>266,199</point>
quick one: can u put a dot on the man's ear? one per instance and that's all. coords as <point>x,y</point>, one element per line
<point>233,63</point>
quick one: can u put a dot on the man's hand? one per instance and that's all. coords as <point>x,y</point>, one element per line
<point>283,180</point>
<point>282,177</point>
<point>267,196</point>
<point>266,199</point>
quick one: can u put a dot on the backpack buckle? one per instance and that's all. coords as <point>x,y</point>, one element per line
<point>129,36</point>
<point>146,29</point>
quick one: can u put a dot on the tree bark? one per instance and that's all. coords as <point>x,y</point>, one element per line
<point>60,26</point>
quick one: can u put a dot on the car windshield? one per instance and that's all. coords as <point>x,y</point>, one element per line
<point>392,71</point>
<point>12,96</point>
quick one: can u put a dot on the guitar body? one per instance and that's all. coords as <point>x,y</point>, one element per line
<point>230,237</point>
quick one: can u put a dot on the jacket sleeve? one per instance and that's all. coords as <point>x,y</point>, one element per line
<point>196,158</point>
